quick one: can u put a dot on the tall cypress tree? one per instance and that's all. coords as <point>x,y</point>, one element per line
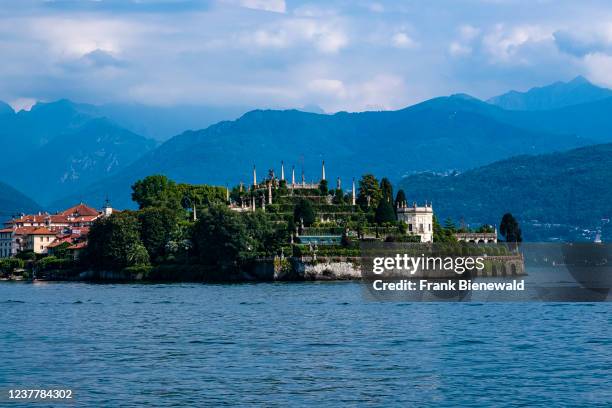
<point>400,198</point>
<point>509,228</point>
<point>386,189</point>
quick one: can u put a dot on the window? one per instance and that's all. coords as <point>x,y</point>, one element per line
<point>410,227</point>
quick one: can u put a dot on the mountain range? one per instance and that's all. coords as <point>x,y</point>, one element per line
<point>56,149</point>
<point>458,132</point>
<point>554,96</point>
<point>429,136</point>
<point>73,154</point>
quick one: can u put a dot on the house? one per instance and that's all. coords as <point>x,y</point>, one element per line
<point>38,239</point>
<point>42,233</point>
<point>6,243</point>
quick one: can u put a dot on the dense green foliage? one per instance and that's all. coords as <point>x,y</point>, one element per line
<point>220,238</point>
<point>9,265</point>
<point>159,191</point>
<point>572,187</point>
<point>384,212</point>
<point>323,188</point>
<point>369,193</point>
<point>156,228</point>
<point>156,191</point>
<point>304,212</point>
<point>114,243</point>
<point>162,235</point>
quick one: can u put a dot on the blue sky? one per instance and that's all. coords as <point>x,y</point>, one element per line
<point>337,54</point>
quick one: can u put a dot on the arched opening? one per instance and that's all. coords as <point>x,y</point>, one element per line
<point>513,269</point>
<point>494,271</point>
<point>504,272</point>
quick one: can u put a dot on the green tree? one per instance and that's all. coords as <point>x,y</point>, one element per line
<point>61,251</point>
<point>114,243</point>
<point>156,191</point>
<point>200,195</point>
<point>400,198</point>
<point>304,211</point>
<point>338,196</point>
<point>8,265</point>
<point>369,192</point>
<point>384,212</point>
<point>450,226</point>
<point>220,238</point>
<point>443,234</point>
<point>156,228</point>
<point>323,187</point>
<point>509,228</point>
<point>386,189</point>
<point>485,229</point>
<point>266,235</point>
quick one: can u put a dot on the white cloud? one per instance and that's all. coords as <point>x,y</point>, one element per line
<point>277,6</point>
<point>325,37</point>
<point>580,41</point>
<point>402,40</point>
<point>458,49</point>
<point>383,92</point>
<point>337,54</point>
<point>504,43</point>
<point>311,10</point>
<point>329,87</point>
<point>463,45</point>
<point>599,68</point>
<point>468,32</point>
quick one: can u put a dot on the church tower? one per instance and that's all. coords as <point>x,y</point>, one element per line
<point>107,210</point>
<point>354,197</point>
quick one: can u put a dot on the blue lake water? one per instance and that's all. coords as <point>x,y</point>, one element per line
<point>279,344</point>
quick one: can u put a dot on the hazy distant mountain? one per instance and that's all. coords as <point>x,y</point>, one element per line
<point>14,202</point>
<point>72,160</point>
<point>161,123</point>
<point>571,187</point>
<point>557,95</point>
<point>25,131</point>
<point>440,134</point>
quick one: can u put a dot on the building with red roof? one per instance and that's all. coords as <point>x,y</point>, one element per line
<point>42,233</point>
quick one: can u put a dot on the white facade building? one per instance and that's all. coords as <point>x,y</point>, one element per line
<point>419,220</point>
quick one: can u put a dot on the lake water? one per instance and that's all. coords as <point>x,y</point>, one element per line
<point>279,344</point>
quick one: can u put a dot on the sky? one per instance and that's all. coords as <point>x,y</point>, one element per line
<point>348,55</point>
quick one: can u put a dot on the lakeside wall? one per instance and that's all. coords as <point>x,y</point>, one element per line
<point>274,269</point>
